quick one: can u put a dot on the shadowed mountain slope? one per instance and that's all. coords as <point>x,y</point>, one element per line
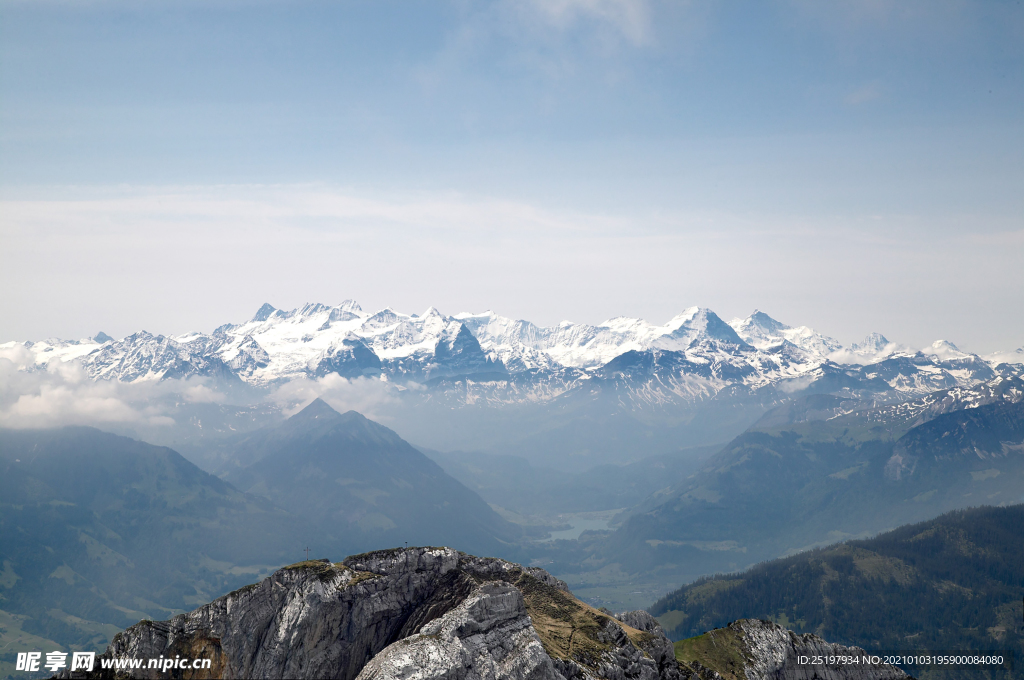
<point>952,583</point>
<point>810,478</point>
<point>97,530</point>
<point>361,485</point>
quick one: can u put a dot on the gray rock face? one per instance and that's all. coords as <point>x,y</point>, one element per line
<point>413,613</point>
<point>762,650</point>
<point>489,635</point>
<point>431,613</point>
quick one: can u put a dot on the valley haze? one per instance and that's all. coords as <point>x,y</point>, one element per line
<point>649,446</point>
<point>499,379</point>
<point>725,372</point>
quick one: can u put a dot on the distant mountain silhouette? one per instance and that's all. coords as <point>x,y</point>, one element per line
<point>810,474</point>
<point>98,531</point>
<point>364,487</point>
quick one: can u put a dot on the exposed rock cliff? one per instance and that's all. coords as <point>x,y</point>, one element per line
<point>423,613</point>
<point>762,650</point>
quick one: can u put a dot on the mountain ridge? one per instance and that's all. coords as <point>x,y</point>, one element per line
<point>316,340</point>
<point>358,482</point>
<point>436,613</point>
<point>576,395</point>
<point>810,473</point>
<point>951,582</point>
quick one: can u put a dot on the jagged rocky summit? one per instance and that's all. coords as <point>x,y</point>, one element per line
<point>694,355</point>
<point>422,613</point>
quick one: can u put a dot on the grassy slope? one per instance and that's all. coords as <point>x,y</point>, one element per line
<point>952,583</point>
<point>719,650</point>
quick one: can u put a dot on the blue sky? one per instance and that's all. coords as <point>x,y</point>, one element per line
<point>855,166</point>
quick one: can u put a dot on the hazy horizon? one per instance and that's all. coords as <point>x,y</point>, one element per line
<point>728,318</point>
<point>172,166</point>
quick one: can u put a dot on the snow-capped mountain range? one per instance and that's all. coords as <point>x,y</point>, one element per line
<point>695,347</point>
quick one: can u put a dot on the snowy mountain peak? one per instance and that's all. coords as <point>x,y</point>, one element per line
<point>766,323</point>
<point>696,352</point>
<point>873,343</point>
<point>699,325</point>
<point>764,332</point>
<point>311,309</point>
<point>685,316</point>
<point>264,312</point>
<point>945,350</point>
<point>385,318</point>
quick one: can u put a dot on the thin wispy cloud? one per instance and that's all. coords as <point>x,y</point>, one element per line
<point>630,18</point>
<point>864,94</point>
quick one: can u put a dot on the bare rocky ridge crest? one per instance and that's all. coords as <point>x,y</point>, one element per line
<point>420,613</point>
<point>762,650</point>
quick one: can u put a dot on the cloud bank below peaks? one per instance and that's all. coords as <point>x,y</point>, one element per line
<point>63,394</point>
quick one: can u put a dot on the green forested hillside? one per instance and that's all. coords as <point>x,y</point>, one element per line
<point>952,583</point>
<point>793,482</point>
<point>98,531</point>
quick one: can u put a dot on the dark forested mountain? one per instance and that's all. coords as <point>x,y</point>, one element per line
<point>952,583</point>
<point>812,473</point>
<point>362,486</point>
<point>991,433</point>
<point>98,531</point>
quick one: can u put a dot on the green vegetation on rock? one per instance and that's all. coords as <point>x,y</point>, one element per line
<point>952,583</point>
<point>716,649</point>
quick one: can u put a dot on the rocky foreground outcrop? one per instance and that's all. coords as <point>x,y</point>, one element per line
<point>432,613</point>
<point>762,650</point>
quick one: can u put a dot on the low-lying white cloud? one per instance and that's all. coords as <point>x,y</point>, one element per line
<point>369,396</point>
<point>63,394</point>
<point>1011,357</point>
